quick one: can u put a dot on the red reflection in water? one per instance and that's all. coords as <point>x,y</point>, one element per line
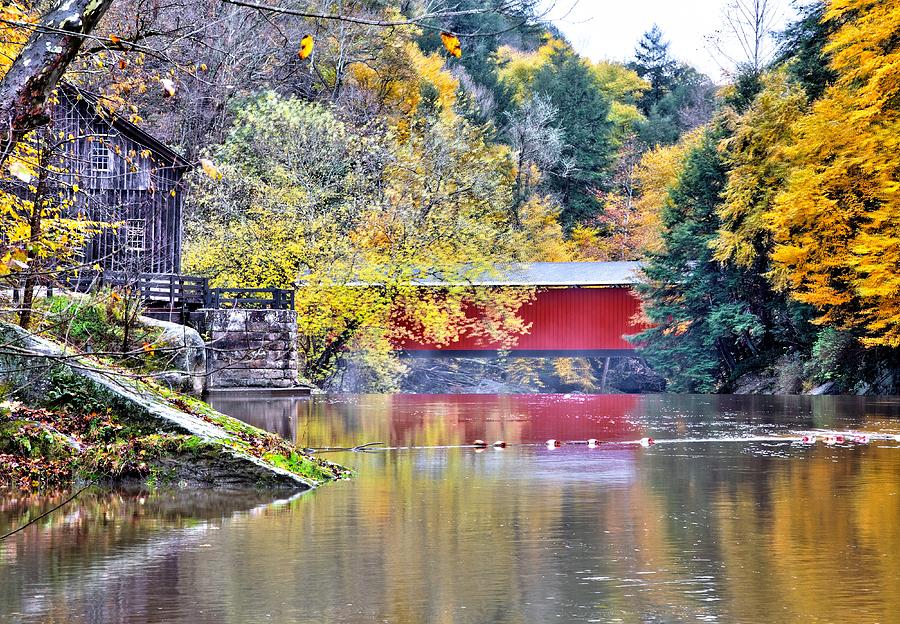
<point>528,418</point>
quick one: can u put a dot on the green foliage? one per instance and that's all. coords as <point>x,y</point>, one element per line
<point>97,324</point>
<point>835,357</point>
<point>28,439</point>
<point>685,285</point>
<point>72,392</point>
<point>802,49</point>
<point>568,82</point>
<point>491,98</point>
<point>679,98</point>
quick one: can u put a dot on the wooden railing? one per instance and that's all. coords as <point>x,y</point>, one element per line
<point>177,291</point>
<point>264,298</point>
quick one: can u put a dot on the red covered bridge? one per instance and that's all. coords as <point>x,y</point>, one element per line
<point>580,309</point>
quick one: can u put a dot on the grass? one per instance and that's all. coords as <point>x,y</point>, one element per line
<point>118,436</point>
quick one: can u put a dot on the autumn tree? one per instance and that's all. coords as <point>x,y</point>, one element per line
<point>571,85</point>
<point>536,145</point>
<point>836,224</point>
<point>353,217</point>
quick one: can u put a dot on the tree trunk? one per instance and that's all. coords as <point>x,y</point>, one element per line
<point>35,223</point>
<point>34,74</point>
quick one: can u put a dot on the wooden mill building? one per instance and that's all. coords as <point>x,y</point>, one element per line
<point>119,174</point>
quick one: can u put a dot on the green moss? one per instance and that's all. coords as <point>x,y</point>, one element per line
<point>194,444</point>
<point>29,439</point>
<point>300,465</point>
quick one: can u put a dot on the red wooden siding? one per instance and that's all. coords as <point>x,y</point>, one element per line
<point>566,319</point>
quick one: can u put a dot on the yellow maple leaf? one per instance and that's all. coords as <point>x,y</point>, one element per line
<point>210,169</point>
<point>451,42</point>
<point>306,47</point>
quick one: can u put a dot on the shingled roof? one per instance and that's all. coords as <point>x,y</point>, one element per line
<point>557,274</point>
<point>90,102</point>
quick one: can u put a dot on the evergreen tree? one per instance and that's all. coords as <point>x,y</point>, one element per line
<point>706,324</point>
<point>802,49</point>
<point>653,63</point>
<point>567,82</point>
<point>679,98</point>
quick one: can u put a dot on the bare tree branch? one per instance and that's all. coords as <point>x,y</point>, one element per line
<point>34,74</point>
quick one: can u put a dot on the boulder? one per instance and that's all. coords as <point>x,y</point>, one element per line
<point>184,353</point>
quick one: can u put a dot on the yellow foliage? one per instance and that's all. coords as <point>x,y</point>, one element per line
<point>12,36</point>
<point>622,86</point>
<point>656,174</point>
<point>755,153</point>
<point>428,200</point>
<point>544,239</point>
<point>451,42</point>
<point>837,224</point>
<point>306,47</point>
<point>59,233</point>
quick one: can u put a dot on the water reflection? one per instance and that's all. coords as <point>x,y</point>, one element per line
<point>727,532</point>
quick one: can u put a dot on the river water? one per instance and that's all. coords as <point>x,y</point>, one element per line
<point>719,531</point>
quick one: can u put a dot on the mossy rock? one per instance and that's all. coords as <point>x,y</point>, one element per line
<point>29,439</point>
<point>180,437</point>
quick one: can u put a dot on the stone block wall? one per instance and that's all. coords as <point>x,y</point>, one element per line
<point>251,348</point>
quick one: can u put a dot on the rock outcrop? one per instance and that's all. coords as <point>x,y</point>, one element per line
<point>28,363</point>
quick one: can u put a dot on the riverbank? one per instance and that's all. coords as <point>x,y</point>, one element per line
<point>847,372</point>
<point>71,419</point>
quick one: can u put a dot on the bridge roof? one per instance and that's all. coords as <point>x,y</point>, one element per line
<point>559,274</point>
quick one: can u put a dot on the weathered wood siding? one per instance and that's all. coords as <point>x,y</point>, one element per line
<point>142,188</point>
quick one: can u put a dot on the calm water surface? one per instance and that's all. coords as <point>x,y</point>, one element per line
<point>719,531</point>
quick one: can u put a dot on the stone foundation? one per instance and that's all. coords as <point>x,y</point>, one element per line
<point>251,348</point>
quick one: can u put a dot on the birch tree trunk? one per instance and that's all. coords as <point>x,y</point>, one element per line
<point>52,46</point>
